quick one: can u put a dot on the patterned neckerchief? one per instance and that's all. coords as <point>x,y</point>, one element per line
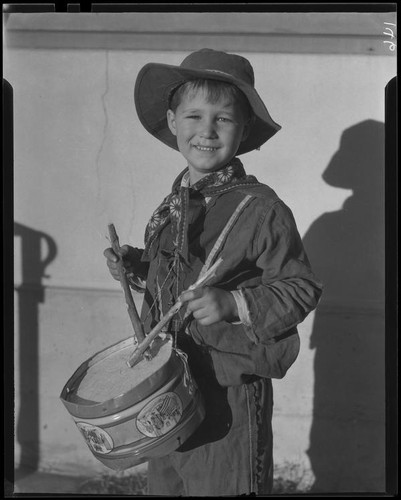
<point>174,208</point>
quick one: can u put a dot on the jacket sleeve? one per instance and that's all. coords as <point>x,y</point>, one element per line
<point>289,290</point>
<point>285,293</point>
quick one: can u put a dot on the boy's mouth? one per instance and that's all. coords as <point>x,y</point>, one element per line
<point>205,148</point>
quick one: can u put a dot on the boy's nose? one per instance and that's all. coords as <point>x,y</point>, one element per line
<point>208,130</point>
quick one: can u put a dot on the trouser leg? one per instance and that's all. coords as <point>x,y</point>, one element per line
<point>237,463</point>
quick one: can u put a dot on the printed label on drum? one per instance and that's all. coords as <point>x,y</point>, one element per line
<point>160,415</point>
<point>97,439</point>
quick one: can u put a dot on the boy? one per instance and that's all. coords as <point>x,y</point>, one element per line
<point>241,332</point>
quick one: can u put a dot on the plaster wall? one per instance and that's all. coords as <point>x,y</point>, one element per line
<point>83,160</point>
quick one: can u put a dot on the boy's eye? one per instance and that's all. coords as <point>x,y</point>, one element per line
<point>224,119</point>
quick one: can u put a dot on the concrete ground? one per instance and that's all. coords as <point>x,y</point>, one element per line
<point>38,482</point>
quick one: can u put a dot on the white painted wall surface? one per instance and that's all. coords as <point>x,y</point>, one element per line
<point>82,160</point>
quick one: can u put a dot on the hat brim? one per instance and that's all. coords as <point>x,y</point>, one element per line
<point>154,84</point>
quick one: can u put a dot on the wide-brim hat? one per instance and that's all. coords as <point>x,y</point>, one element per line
<point>156,82</point>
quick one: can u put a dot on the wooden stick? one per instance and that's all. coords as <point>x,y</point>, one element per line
<point>132,311</point>
<point>171,312</point>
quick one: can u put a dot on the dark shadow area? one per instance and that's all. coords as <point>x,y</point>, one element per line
<point>347,250</point>
<point>8,279</point>
<point>30,294</point>
<point>218,416</point>
<point>391,288</point>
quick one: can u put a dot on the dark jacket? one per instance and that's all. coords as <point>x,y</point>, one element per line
<point>264,257</point>
<point>233,364</point>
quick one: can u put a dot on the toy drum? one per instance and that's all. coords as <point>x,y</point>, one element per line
<point>129,415</point>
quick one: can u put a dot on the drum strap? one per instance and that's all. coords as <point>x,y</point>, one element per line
<point>223,235</point>
<point>216,250</point>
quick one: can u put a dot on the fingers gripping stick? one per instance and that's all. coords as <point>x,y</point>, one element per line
<point>132,311</point>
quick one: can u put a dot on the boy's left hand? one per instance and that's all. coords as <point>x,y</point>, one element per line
<point>210,305</point>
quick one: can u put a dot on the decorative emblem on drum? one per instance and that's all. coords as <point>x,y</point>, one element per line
<point>97,439</point>
<point>160,415</point>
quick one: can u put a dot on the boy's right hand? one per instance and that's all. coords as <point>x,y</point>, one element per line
<point>130,256</point>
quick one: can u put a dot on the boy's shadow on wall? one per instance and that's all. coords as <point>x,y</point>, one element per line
<point>346,250</point>
<point>30,295</point>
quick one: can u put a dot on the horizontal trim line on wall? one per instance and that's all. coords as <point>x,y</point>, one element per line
<point>69,288</point>
<point>351,33</point>
<point>202,33</point>
<point>354,416</point>
<point>371,308</point>
<point>206,22</point>
<point>273,43</point>
<point>328,307</point>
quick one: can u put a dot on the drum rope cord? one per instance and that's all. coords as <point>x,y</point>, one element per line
<point>137,354</point>
<point>187,376</point>
<point>158,295</point>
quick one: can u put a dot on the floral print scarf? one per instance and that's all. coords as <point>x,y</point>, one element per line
<point>174,208</point>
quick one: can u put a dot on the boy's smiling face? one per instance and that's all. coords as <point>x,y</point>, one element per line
<point>208,133</point>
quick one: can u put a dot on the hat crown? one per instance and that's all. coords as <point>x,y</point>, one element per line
<point>215,61</point>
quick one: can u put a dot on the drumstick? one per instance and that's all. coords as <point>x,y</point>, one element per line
<point>171,312</point>
<point>132,311</point>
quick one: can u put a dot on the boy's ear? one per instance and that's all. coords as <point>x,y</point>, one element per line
<point>171,121</point>
<point>245,132</point>
<point>247,128</point>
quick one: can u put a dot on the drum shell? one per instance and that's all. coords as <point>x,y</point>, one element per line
<point>151,420</point>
